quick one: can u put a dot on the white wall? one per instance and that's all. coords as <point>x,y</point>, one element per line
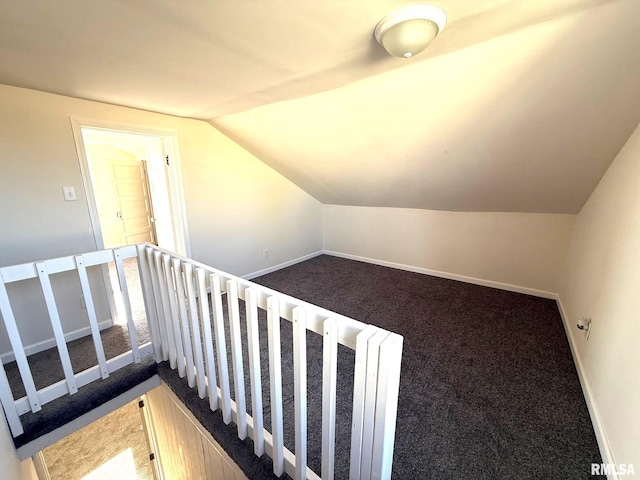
<point>236,205</point>
<point>520,249</point>
<point>603,282</point>
<point>12,467</point>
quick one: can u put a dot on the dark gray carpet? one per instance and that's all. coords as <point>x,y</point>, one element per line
<point>488,387</point>
<point>46,369</point>
<point>242,451</point>
<point>65,409</point>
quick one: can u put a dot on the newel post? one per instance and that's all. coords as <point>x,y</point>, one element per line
<point>375,403</point>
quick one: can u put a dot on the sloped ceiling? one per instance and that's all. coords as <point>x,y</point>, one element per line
<point>519,105</point>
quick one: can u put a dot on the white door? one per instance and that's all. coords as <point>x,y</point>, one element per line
<point>135,212</point>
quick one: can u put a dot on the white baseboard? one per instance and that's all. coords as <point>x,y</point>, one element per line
<point>598,428</point>
<point>451,276</point>
<point>259,273</point>
<point>51,342</point>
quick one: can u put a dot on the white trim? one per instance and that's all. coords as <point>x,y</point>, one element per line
<point>280,266</point>
<point>59,433</point>
<point>600,433</point>
<point>83,161</point>
<point>598,427</point>
<point>150,436</point>
<point>176,194</point>
<point>51,342</point>
<point>40,465</point>
<point>451,276</point>
<point>170,140</point>
<point>76,128</point>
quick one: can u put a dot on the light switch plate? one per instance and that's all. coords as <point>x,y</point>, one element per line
<point>69,194</point>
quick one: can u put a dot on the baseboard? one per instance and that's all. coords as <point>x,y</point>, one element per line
<point>598,427</point>
<point>51,342</point>
<point>450,276</point>
<point>280,266</point>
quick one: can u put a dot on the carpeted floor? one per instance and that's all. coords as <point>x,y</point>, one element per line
<point>67,408</point>
<point>488,388</point>
<point>46,368</point>
<point>242,451</point>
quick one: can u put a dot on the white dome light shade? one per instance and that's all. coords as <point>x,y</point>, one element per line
<point>408,31</point>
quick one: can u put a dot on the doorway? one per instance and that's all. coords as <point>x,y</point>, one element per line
<point>134,185</point>
<point>121,185</point>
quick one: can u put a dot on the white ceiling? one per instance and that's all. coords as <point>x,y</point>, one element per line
<point>519,105</point>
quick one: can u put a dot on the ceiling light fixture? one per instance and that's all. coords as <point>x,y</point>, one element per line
<point>408,31</point>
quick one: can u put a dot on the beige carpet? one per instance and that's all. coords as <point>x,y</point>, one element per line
<point>113,447</point>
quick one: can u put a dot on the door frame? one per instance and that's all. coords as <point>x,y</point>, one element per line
<point>176,188</point>
<point>40,465</point>
<point>150,437</point>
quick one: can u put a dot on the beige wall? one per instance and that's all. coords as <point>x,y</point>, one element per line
<point>12,467</point>
<point>236,205</point>
<point>520,249</point>
<point>228,191</point>
<point>603,282</point>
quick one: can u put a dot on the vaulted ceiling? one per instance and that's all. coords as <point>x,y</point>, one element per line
<point>518,105</point>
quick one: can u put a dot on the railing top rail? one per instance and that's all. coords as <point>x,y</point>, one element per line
<point>348,328</point>
<point>25,271</point>
<point>170,286</point>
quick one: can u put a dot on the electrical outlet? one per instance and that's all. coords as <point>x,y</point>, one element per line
<point>69,194</point>
<point>265,253</point>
